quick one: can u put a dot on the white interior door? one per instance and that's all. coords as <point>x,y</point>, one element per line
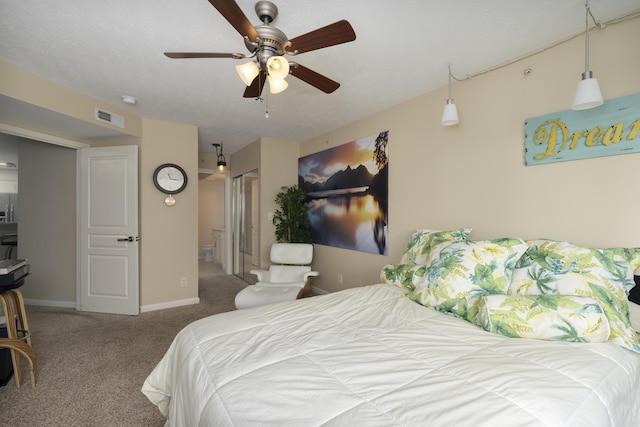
<point>108,230</point>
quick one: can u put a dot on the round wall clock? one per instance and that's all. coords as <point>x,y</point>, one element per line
<point>170,178</point>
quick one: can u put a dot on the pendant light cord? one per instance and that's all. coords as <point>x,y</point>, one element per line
<point>451,76</point>
<point>266,112</point>
<point>586,38</point>
<point>586,35</point>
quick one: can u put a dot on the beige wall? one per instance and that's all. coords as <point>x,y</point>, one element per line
<point>37,91</point>
<point>168,234</point>
<point>211,203</point>
<point>278,168</point>
<point>277,165</point>
<point>168,249</point>
<point>474,175</point>
<point>245,160</point>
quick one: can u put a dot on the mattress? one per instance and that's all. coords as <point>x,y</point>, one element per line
<point>369,356</point>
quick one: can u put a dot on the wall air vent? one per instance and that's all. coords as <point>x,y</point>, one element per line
<point>111,118</point>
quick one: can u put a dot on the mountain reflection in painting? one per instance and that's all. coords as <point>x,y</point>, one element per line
<point>347,187</point>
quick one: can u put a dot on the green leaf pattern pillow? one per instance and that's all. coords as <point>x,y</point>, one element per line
<point>409,276</point>
<point>544,317</point>
<point>461,272</point>
<point>422,241</point>
<point>552,267</point>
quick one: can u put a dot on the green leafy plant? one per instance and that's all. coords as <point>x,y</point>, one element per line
<point>290,218</point>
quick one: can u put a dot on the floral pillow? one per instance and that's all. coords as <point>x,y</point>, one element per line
<point>544,317</point>
<point>463,271</point>
<point>562,268</point>
<point>422,241</point>
<point>409,276</point>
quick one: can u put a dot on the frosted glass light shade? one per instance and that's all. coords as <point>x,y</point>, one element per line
<point>588,93</point>
<point>277,85</point>
<point>278,67</point>
<point>449,114</point>
<point>248,72</point>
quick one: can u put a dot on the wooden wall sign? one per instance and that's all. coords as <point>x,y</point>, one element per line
<point>608,130</point>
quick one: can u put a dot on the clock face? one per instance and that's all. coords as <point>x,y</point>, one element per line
<point>170,178</point>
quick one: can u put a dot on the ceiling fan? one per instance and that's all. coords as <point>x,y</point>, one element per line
<point>268,45</point>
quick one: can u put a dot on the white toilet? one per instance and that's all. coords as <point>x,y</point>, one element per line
<point>207,250</point>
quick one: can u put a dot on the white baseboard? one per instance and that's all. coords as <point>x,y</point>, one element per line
<point>318,291</point>
<point>50,303</point>
<point>145,308</point>
<point>170,304</point>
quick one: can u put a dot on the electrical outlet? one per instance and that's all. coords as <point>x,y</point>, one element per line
<point>340,279</point>
<point>183,282</point>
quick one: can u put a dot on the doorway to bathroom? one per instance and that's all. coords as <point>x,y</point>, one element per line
<point>211,222</point>
<point>245,196</point>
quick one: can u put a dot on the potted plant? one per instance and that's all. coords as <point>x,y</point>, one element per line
<point>290,218</point>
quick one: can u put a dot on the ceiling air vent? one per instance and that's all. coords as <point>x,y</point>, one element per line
<point>111,118</point>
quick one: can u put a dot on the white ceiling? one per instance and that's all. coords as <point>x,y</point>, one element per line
<point>106,49</point>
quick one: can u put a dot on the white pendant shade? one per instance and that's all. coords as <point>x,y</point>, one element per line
<point>277,85</point>
<point>248,72</point>
<point>278,67</point>
<point>450,114</point>
<point>588,94</point>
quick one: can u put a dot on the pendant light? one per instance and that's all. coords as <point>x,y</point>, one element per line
<point>222,162</point>
<point>450,112</point>
<point>588,93</point>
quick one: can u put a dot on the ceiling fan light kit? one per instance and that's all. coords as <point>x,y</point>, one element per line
<point>278,67</point>
<point>277,85</point>
<point>268,45</point>
<point>247,72</point>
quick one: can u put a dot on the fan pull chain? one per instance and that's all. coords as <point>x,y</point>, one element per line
<point>266,111</point>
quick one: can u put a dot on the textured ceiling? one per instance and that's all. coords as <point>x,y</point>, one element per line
<point>106,49</point>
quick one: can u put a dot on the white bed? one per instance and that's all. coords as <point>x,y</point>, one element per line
<point>371,357</point>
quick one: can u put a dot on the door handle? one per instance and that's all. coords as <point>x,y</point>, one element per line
<point>129,239</point>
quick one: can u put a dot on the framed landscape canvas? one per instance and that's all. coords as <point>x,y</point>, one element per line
<point>347,187</point>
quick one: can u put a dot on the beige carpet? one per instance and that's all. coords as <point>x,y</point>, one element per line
<point>91,366</point>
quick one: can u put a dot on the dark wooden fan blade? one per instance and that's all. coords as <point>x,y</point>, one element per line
<point>232,13</point>
<point>255,90</point>
<point>180,55</point>
<point>331,35</point>
<point>319,81</point>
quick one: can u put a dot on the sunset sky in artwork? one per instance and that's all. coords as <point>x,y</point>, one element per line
<point>318,167</point>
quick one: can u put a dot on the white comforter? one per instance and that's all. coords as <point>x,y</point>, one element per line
<point>370,357</point>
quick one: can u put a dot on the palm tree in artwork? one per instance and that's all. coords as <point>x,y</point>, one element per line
<point>380,152</point>
<point>379,189</point>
